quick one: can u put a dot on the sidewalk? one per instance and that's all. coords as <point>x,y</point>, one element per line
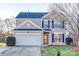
<point>4,49</point>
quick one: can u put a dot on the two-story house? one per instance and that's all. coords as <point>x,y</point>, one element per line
<point>32,28</point>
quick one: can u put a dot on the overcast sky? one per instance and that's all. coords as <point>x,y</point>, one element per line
<point>12,9</point>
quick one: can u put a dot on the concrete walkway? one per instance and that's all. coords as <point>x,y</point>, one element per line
<point>4,49</point>
<point>22,51</point>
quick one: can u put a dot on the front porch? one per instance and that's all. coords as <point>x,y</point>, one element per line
<point>55,44</point>
<point>51,39</point>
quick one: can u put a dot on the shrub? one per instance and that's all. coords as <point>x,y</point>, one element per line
<point>11,41</point>
<point>69,41</point>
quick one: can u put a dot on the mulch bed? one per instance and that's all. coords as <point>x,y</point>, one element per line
<point>76,48</point>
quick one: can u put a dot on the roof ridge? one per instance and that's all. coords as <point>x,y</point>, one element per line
<point>31,14</point>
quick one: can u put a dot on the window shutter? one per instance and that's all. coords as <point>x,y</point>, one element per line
<point>48,24</point>
<point>42,24</point>
<point>52,24</point>
<point>52,37</point>
<point>62,37</point>
<point>62,24</point>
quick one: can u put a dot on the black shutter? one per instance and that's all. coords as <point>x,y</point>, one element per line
<point>62,24</point>
<point>62,37</point>
<point>48,24</point>
<point>52,24</point>
<point>42,24</point>
<point>52,37</point>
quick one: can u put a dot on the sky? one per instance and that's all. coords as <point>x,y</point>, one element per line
<point>39,1</point>
<point>8,10</point>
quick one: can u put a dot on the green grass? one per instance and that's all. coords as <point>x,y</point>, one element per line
<point>64,51</point>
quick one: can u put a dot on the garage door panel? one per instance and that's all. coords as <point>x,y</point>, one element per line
<point>23,39</point>
<point>27,34</point>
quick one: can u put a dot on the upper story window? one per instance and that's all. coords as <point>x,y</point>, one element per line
<point>46,24</point>
<point>57,24</point>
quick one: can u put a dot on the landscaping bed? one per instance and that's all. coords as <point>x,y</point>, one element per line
<point>64,51</point>
<point>2,44</point>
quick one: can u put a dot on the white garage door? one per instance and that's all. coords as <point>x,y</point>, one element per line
<point>28,38</point>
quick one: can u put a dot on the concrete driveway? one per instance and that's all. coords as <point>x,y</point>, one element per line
<point>22,51</point>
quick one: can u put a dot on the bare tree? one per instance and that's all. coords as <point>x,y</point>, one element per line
<point>69,12</point>
<point>10,23</point>
<point>2,38</point>
<point>6,27</point>
<point>1,25</point>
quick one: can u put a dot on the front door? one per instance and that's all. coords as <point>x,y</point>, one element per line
<point>45,37</point>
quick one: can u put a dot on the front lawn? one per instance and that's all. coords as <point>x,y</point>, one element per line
<point>64,51</point>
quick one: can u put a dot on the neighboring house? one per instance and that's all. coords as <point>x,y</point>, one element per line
<point>32,28</point>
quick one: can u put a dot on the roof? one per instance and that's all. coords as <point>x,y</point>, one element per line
<point>31,14</point>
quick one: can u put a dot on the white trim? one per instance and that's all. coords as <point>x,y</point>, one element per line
<point>34,24</point>
<point>21,24</point>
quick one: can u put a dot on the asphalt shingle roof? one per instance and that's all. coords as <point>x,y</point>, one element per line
<point>31,14</point>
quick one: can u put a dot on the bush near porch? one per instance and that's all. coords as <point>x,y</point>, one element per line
<point>64,51</point>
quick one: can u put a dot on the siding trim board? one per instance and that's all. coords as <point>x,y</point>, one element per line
<point>47,29</point>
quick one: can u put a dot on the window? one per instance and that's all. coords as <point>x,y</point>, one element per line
<point>58,37</point>
<point>57,24</point>
<point>46,24</point>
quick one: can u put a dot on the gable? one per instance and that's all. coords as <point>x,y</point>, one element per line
<point>28,25</point>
